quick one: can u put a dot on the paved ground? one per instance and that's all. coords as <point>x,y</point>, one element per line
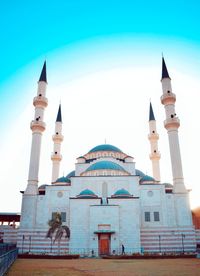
<point>89,267</point>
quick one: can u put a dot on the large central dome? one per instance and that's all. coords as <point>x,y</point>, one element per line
<point>104,168</point>
<point>105,147</point>
<point>105,165</point>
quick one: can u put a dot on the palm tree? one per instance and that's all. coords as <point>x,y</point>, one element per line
<point>55,226</point>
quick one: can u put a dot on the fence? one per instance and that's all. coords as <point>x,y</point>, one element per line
<point>6,247</point>
<point>7,259</point>
<point>94,252</point>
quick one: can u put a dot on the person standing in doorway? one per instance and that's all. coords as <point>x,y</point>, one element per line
<point>123,250</point>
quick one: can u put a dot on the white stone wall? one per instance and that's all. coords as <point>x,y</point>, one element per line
<point>114,183</point>
<point>56,199</point>
<point>152,199</point>
<point>129,224</point>
<point>28,211</point>
<point>104,215</point>
<point>182,209</point>
<point>80,224</point>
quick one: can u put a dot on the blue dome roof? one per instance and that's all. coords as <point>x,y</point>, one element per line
<point>140,173</point>
<point>122,192</point>
<point>42,187</point>
<point>105,165</point>
<point>168,185</point>
<point>105,147</point>
<point>72,173</point>
<point>86,194</point>
<point>63,179</point>
<point>147,178</point>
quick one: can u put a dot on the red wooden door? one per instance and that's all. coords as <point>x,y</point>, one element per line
<point>104,244</point>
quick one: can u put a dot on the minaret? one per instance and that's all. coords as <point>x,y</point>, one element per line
<point>172,124</point>
<point>37,126</point>
<point>153,138</point>
<point>56,157</point>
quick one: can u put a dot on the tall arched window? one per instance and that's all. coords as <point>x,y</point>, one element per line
<point>104,189</point>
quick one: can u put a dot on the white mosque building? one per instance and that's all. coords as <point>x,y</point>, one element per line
<point>106,202</point>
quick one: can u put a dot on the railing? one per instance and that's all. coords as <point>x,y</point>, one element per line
<point>94,252</point>
<point>6,261</point>
<point>6,247</point>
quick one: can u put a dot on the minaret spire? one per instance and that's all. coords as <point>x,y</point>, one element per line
<point>59,115</point>
<point>37,126</point>
<point>172,124</point>
<point>153,138</point>
<point>56,157</point>
<point>165,73</point>
<point>151,114</point>
<point>43,75</point>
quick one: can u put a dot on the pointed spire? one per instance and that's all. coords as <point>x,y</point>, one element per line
<point>43,76</point>
<point>59,116</point>
<point>151,114</point>
<point>164,70</point>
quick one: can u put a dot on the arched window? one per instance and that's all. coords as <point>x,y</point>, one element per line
<point>104,189</point>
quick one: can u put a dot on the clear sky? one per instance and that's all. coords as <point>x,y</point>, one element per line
<point>104,64</point>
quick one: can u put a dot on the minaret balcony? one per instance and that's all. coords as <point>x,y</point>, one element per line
<point>37,126</point>
<point>58,138</point>
<point>153,136</point>
<point>168,98</point>
<point>56,157</point>
<point>172,123</point>
<point>40,101</point>
<point>155,156</point>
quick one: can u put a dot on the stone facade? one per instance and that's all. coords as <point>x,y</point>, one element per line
<point>108,205</point>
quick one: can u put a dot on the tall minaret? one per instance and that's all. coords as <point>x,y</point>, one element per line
<point>153,138</point>
<point>56,157</point>
<point>37,126</point>
<point>172,124</point>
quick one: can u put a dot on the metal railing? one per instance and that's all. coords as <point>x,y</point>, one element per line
<point>5,247</point>
<point>6,260</point>
<point>94,252</point>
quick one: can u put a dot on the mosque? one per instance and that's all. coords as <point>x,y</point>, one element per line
<point>106,205</point>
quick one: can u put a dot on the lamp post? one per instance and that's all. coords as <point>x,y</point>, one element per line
<point>183,237</point>
<point>23,238</point>
<point>51,244</point>
<point>159,236</point>
<point>29,244</point>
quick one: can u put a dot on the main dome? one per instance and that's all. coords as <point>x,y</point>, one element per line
<point>105,147</point>
<point>105,165</point>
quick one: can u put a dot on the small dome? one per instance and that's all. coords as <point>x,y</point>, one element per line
<point>140,173</point>
<point>72,173</point>
<point>43,187</point>
<point>63,179</point>
<point>105,165</point>
<point>122,193</point>
<point>105,147</point>
<point>87,194</point>
<point>168,185</point>
<point>147,178</point>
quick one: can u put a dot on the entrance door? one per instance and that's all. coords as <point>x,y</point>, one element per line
<point>104,244</point>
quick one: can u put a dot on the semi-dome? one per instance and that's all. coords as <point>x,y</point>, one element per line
<point>63,179</point>
<point>168,185</point>
<point>105,165</point>
<point>105,147</point>
<point>71,174</point>
<point>140,173</point>
<point>43,186</point>
<point>87,194</point>
<point>122,193</point>
<point>147,178</point>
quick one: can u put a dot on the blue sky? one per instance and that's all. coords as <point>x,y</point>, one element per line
<point>108,50</point>
<point>30,29</point>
